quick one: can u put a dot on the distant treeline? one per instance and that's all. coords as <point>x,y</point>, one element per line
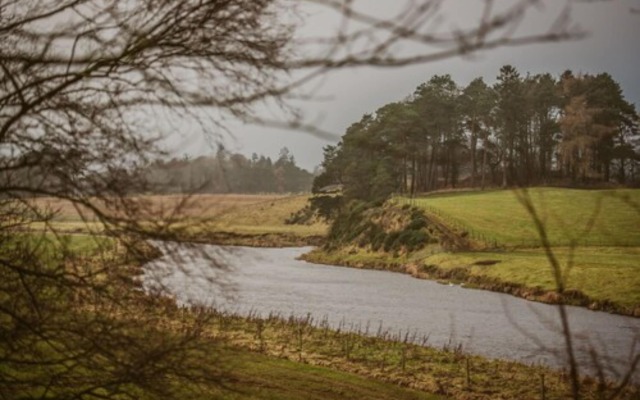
<point>524,130</point>
<point>229,173</point>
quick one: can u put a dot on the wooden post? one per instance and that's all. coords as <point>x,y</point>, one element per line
<point>468,373</point>
<point>300,342</point>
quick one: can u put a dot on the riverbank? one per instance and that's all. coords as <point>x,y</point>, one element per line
<point>482,270</point>
<point>485,252</point>
<point>518,273</point>
<point>447,372</point>
<point>488,240</point>
<point>603,279</point>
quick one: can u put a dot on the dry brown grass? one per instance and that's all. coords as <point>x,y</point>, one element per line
<point>196,206</point>
<point>237,213</point>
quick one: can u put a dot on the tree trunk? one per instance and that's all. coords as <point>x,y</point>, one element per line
<point>504,171</point>
<point>484,165</point>
<point>413,175</point>
<point>474,143</point>
<point>621,173</point>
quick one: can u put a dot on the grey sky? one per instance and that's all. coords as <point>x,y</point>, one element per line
<point>345,96</point>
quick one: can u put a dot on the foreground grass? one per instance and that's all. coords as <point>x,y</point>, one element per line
<point>257,376</point>
<point>499,218</point>
<point>393,358</point>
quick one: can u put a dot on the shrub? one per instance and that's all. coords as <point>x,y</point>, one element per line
<point>378,240</point>
<point>301,217</point>
<point>391,242</point>
<point>417,223</point>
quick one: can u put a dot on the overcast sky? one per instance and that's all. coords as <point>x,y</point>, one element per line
<point>612,46</point>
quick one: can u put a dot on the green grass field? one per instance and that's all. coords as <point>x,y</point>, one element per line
<point>47,244</point>
<point>584,217</point>
<point>602,273</point>
<point>595,234</point>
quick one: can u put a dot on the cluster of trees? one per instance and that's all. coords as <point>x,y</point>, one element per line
<point>522,131</point>
<point>229,173</point>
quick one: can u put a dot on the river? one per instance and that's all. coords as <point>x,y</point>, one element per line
<point>495,325</point>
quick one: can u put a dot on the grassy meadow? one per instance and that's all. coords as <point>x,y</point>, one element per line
<point>581,217</point>
<point>601,273</point>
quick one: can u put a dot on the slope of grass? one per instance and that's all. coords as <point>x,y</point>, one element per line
<point>593,218</point>
<point>603,225</point>
<point>256,376</point>
<point>603,274</point>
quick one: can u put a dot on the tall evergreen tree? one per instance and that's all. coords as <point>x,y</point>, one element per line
<point>477,104</point>
<point>509,119</point>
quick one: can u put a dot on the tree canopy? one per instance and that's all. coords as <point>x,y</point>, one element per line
<point>526,129</point>
<point>228,173</point>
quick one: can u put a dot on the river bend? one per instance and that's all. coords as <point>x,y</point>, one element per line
<point>486,323</point>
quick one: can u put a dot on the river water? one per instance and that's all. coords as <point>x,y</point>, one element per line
<point>495,325</point>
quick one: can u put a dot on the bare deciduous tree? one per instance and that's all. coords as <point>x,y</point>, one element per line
<point>561,273</point>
